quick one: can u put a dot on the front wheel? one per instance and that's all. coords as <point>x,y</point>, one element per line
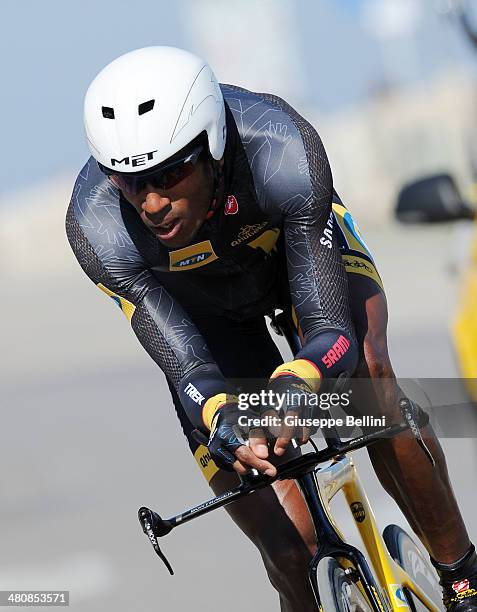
<point>338,591</point>
<point>408,555</point>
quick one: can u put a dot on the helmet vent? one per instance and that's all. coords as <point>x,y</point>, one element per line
<point>108,112</point>
<point>145,107</point>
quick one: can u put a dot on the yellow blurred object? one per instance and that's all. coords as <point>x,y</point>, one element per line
<point>473,193</point>
<point>464,326</point>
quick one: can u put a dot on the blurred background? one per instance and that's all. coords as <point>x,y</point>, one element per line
<point>89,429</point>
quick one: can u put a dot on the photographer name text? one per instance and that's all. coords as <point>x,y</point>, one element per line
<point>291,420</point>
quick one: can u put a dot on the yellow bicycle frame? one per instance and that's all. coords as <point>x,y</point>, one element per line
<point>342,475</point>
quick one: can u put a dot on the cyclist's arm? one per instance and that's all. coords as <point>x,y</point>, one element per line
<point>160,324</point>
<point>301,194</point>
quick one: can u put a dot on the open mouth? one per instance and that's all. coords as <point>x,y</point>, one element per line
<point>165,231</point>
<point>166,226</point>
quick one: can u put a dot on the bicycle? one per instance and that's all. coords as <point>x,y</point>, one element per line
<point>340,576</point>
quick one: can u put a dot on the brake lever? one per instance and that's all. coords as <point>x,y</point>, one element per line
<point>155,527</point>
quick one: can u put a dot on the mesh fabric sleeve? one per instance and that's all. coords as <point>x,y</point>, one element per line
<point>159,322</point>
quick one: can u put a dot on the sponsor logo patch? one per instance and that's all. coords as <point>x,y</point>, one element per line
<point>247,231</point>
<point>460,586</point>
<point>349,229</point>
<point>265,241</point>
<point>205,459</point>
<point>134,160</point>
<point>205,462</point>
<point>231,207</point>
<point>193,256</point>
<point>194,394</point>
<point>192,260</point>
<point>399,597</point>
<point>358,511</point>
<point>327,237</point>
<point>339,348</point>
<point>358,265</point>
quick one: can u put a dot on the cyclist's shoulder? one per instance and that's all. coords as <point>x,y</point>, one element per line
<point>255,113</point>
<point>276,140</point>
<point>259,113</point>
<point>92,192</point>
<point>96,218</point>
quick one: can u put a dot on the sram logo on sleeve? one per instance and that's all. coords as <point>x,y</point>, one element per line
<point>339,348</point>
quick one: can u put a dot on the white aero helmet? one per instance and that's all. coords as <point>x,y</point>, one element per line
<point>148,104</point>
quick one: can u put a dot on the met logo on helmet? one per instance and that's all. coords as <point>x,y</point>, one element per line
<point>134,160</point>
<point>197,106</point>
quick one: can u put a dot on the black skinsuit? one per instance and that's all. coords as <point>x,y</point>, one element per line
<point>191,308</point>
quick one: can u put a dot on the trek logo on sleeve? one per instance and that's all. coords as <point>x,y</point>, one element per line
<point>194,394</point>
<point>339,348</point>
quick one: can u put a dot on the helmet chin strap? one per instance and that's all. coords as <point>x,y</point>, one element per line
<point>218,175</point>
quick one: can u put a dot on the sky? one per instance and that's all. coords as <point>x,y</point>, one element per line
<point>321,54</point>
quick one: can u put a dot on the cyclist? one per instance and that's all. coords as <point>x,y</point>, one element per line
<point>203,207</point>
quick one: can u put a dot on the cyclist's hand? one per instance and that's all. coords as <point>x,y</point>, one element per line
<point>226,449</point>
<point>287,432</point>
<point>277,437</point>
<point>285,423</point>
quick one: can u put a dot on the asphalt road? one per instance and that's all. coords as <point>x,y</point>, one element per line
<point>89,435</point>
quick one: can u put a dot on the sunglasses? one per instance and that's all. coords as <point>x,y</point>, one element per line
<point>163,177</point>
